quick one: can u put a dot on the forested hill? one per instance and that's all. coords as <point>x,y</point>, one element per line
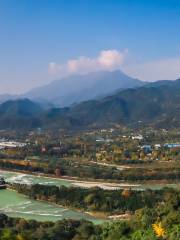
<point>156,104</point>
<point>19,114</point>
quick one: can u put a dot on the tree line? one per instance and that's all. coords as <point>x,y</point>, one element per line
<point>94,199</point>
<point>149,223</point>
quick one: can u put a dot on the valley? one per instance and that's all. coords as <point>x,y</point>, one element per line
<point>94,165</point>
<point>89,120</point>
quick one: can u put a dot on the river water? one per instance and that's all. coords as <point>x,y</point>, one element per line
<point>16,205</point>
<point>15,177</point>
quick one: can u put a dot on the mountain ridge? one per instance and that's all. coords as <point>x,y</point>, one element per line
<point>78,88</point>
<point>156,105</point>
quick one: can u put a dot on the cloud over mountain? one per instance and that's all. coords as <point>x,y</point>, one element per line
<point>110,60</point>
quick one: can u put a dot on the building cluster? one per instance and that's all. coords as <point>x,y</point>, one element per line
<point>11,144</point>
<point>149,148</point>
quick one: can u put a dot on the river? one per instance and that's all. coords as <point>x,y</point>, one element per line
<point>16,177</point>
<point>16,205</point>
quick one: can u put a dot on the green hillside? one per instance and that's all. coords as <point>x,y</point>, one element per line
<point>19,114</point>
<point>156,104</point>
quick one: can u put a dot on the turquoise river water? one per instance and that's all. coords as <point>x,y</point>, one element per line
<point>16,205</point>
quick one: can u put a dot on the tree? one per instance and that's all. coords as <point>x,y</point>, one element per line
<point>7,234</point>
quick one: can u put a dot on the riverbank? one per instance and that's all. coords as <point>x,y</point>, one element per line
<point>19,205</point>
<point>85,205</point>
<point>74,181</point>
<point>98,215</point>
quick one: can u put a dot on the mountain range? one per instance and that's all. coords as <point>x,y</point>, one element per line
<point>75,89</point>
<point>78,88</point>
<point>156,104</point>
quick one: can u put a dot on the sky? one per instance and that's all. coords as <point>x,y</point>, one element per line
<point>43,40</point>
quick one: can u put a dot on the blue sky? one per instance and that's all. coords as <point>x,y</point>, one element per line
<point>38,34</point>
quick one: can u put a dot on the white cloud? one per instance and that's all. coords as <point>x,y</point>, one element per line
<point>112,59</point>
<point>162,69</point>
<point>106,60</point>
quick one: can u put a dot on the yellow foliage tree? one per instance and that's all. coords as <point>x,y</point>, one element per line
<point>159,230</point>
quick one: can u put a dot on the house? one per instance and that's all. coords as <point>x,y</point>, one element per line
<point>12,144</point>
<point>137,137</point>
<point>172,145</point>
<point>157,146</point>
<point>146,148</point>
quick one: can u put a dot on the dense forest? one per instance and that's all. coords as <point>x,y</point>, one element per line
<point>149,223</point>
<point>95,199</point>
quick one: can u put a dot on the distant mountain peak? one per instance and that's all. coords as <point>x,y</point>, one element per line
<point>77,88</point>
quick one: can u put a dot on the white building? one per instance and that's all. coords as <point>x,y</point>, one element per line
<point>12,144</point>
